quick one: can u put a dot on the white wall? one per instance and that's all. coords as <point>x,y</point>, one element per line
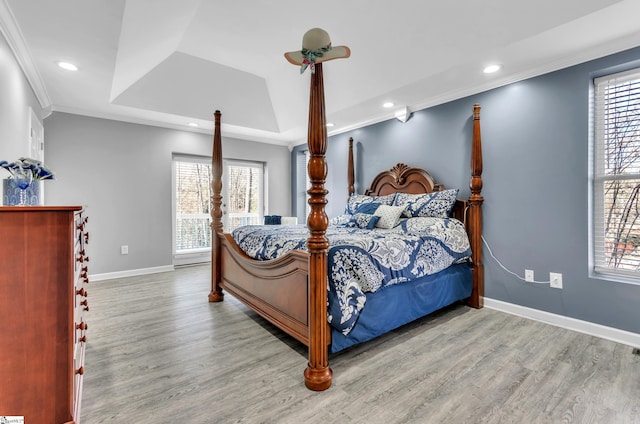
<point>16,96</point>
<point>121,173</point>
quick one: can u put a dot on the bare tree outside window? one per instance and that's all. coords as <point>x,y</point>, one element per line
<point>617,176</point>
<point>193,206</point>
<point>244,195</point>
<point>242,201</point>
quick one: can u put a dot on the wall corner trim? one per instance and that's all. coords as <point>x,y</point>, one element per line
<point>12,33</point>
<point>585,327</point>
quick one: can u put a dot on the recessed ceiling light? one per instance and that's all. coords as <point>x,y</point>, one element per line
<point>388,104</point>
<point>492,68</point>
<point>68,66</point>
<point>193,124</point>
<point>330,124</point>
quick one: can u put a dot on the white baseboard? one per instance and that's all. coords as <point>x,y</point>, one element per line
<point>608,333</point>
<point>130,273</point>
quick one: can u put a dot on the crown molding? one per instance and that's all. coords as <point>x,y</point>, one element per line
<point>12,33</point>
<point>229,131</point>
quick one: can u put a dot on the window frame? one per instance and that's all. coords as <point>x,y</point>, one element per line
<point>303,184</point>
<point>190,256</point>
<point>600,177</point>
<point>262,204</point>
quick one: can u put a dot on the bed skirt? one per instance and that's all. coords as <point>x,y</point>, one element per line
<point>394,306</point>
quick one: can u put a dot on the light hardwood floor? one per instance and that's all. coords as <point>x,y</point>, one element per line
<point>159,352</point>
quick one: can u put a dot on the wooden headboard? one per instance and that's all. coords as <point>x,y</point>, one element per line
<point>405,179</point>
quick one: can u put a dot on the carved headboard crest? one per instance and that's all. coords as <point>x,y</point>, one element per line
<point>405,179</point>
<point>398,170</point>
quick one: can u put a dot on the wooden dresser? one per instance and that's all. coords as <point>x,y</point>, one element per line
<point>43,302</point>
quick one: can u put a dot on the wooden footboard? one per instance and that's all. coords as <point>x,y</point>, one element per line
<point>276,289</point>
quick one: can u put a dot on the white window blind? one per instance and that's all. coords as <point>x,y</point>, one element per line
<point>616,184</point>
<point>192,204</point>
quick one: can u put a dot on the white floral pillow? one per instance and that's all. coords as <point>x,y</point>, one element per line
<point>339,220</point>
<point>437,204</point>
<point>389,215</point>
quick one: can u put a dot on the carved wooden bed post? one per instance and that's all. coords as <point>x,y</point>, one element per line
<point>216,294</point>
<point>318,375</point>
<point>317,48</point>
<point>475,213</point>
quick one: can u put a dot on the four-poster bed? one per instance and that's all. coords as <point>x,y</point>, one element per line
<point>281,290</point>
<point>291,290</point>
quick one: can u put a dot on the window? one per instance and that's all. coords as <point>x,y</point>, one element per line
<point>192,192</point>
<point>616,183</point>
<point>243,194</point>
<point>303,184</point>
<point>307,185</point>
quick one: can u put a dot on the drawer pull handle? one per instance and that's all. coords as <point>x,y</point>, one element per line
<point>82,326</point>
<point>83,222</point>
<point>82,339</point>
<point>84,274</point>
<point>82,292</point>
<point>80,371</point>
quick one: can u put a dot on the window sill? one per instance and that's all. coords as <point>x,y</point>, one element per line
<point>615,277</point>
<point>192,257</point>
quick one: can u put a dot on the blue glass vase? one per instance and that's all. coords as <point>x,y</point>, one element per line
<point>11,193</point>
<point>22,179</point>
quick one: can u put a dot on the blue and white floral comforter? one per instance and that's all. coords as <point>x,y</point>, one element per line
<point>361,260</point>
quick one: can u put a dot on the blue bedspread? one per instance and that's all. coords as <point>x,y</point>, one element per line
<point>361,260</point>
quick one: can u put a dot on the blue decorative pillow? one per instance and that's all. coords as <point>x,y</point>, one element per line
<point>363,220</point>
<point>272,220</point>
<point>437,204</point>
<point>368,208</point>
<point>357,200</point>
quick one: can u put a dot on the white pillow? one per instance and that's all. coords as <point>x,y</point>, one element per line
<point>389,215</point>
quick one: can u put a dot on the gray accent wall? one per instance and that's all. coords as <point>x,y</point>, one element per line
<point>121,173</point>
<point>536,144</point>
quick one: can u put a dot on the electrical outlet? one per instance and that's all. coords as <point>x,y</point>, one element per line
<point>528,275</point>
<point>555,280</point>
<point>124,250</point>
